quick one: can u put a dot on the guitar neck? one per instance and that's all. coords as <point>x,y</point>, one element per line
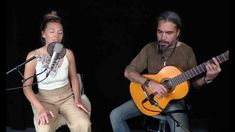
<point>198,69</point>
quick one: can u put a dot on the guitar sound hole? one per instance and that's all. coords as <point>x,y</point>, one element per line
<point>168,85</point>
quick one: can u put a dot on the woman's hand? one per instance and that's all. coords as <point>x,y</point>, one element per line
<point>44,116</point>
<point>81,106</point>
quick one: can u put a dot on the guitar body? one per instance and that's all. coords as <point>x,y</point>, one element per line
<point>176,92</point>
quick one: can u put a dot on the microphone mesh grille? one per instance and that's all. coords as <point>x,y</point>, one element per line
<point>58,48</point>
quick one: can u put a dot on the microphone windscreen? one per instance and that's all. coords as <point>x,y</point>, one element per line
<point>58,48</point>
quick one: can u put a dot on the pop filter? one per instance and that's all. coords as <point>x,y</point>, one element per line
<point>53,46</point>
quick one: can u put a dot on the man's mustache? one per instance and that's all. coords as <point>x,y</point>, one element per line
<point>163,43</point>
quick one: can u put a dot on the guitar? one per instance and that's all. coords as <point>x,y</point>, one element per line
<point>175,82</point>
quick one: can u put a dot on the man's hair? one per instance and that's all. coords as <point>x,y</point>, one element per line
<point>172,17</point>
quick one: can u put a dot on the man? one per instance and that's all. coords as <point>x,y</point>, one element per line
<point>168,50</point>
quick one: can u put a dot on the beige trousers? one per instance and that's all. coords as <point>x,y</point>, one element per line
<point>61,102</point>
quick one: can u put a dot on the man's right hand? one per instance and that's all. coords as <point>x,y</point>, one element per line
<point>157,87</point>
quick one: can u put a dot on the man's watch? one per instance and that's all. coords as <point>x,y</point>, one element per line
<point>206,80</point>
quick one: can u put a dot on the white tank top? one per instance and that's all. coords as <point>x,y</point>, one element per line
<point>57,78</point>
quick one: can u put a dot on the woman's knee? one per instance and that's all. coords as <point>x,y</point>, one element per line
<point>45,128</point>
<point>81,124</point>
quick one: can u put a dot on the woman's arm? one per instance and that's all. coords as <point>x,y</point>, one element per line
<point>73,75</point>
<point>27,86</point>
<point>74,80</point>
<point>29,93</point>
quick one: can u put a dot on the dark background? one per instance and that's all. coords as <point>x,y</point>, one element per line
<point>105,36</point>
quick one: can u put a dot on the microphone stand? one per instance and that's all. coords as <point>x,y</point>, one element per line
<point>20,65</point>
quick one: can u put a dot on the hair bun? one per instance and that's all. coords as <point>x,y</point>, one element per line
<point>52,14</point>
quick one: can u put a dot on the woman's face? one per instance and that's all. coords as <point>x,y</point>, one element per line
<point>53,33</point>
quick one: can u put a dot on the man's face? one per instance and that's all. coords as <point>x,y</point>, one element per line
<point>167,33</point>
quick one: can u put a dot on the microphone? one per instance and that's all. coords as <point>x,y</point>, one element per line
<point>58,48</point>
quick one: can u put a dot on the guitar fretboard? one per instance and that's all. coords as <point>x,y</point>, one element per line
<point>198,69</point>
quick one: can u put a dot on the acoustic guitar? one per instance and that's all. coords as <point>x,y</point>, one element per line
<point>175,81</point>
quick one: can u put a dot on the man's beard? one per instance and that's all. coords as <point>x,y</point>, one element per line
<point>163,46</point>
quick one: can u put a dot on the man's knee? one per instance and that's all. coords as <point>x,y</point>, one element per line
<point>114,114</point>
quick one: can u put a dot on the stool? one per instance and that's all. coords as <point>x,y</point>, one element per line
<point>162,124</point>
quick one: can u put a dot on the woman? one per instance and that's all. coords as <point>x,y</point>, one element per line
<point>59,91</point>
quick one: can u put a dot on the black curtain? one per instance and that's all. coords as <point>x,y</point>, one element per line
<point>105,36</point>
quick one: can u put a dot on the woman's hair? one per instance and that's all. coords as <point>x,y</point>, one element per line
<point>47,18</point>
<point>50,17</point>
